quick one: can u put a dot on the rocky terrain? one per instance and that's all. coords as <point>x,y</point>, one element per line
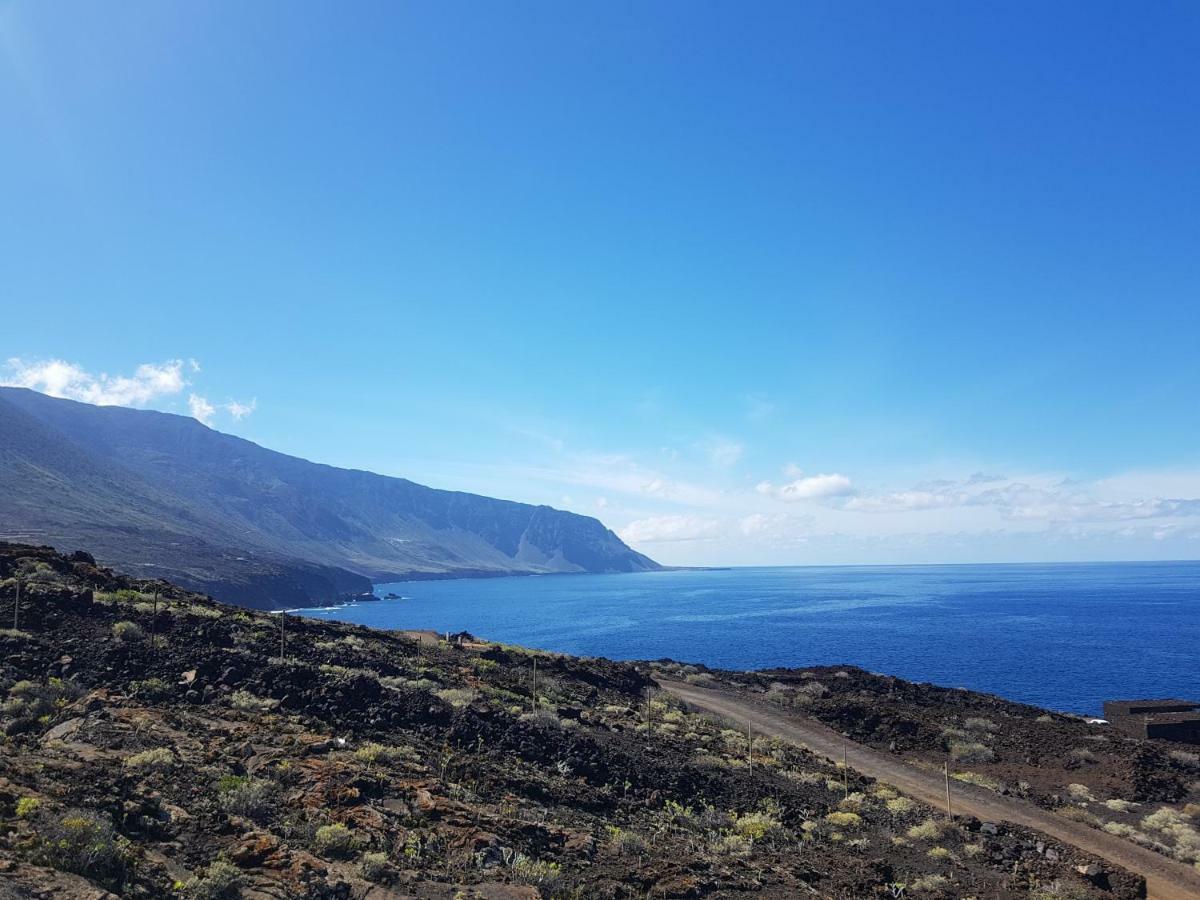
<point>159,744</point>
<point>1146,791</point>
<point>164,496</point>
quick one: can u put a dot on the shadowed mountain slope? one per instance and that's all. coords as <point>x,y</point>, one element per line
<point>253,526</point>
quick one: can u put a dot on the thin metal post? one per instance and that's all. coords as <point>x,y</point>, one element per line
<point>649,715</point>
<point>17,607</point>
<point>750,747</point>
<point>946,772</point>
<point>282,637</point>
<point>845,769</point>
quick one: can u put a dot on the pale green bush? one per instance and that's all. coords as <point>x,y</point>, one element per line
<point>971,752</point>
<point>250,798</point>
<point>457,697</point>
<point>128,632</point>
<point>158,759</point>
<point>220,881</point>
<point>929,830</point>
<point>248,702</point>
<point>844,819</point>
<point>333,840</point>
<point>978,724</point>
<point>373,866</point>
<point>1121,805</point>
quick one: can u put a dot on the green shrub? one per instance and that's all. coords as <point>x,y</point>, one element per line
<point>1121,805</point>
<point>244,700</point>
<point>155,760</point>
<point>40,700</point>
<point>970,752</point>
<point>1164,819</point>
<point>977,724</point>
<point>151,690</point>
<point>221,880</point>
<point>333,840</point>
<point>625,843</point>
<point>929,884</point>
<point>1080,793</point>
<point>1185,759</point>
<point>373,866</point>
<point>26,690</point>
<point>250,798</point>
<point>80,842</point>
<point>457,697</point>
<point>730,844</point>
<point>929,830</point>
<point>984,781</point>
<point>372,753</point>
<point>128,632</point>
<point>27,806</point>
<point>844,819</point>
<point>757,826</point>
<point>526,870</point>
<point>546,719</point>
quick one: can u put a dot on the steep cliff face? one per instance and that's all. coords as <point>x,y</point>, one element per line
<point>253,526</point>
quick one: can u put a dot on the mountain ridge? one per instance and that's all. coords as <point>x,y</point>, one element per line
<point>255,526</point>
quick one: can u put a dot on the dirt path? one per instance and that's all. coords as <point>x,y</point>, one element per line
<point>1165,878</point>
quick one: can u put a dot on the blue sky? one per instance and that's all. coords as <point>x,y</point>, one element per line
<point>786,283</point>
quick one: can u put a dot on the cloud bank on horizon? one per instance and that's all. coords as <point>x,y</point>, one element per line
<point>975,516</point>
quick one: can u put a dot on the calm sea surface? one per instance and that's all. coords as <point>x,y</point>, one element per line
<point>1063,636</point>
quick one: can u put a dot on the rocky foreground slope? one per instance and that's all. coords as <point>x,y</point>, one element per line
<point>159,744</point>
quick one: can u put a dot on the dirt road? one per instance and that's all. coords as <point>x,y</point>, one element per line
<point>1165,878</point>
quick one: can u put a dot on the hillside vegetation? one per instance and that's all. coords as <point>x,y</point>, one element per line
<point>159,744</point>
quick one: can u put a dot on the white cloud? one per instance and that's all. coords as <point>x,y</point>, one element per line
<point>149,384</point>
<point>240,410</point>
<point>659,529</point>
<point>813,487</point>
<point>654,486</point>
<point>601,503</point>
<point>904,501</point>
<point>201,409</point>
<point>774,526</point>
<point>758,406</point>
<point>1037,498</point>
<point>59,378</point>
<point>723,452</point>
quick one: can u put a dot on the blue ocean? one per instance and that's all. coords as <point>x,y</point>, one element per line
<point>1062,636</point>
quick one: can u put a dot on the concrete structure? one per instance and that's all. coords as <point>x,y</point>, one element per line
<point>1167,720</point>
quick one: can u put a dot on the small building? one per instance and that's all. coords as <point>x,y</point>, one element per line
<point>1164,720</point>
